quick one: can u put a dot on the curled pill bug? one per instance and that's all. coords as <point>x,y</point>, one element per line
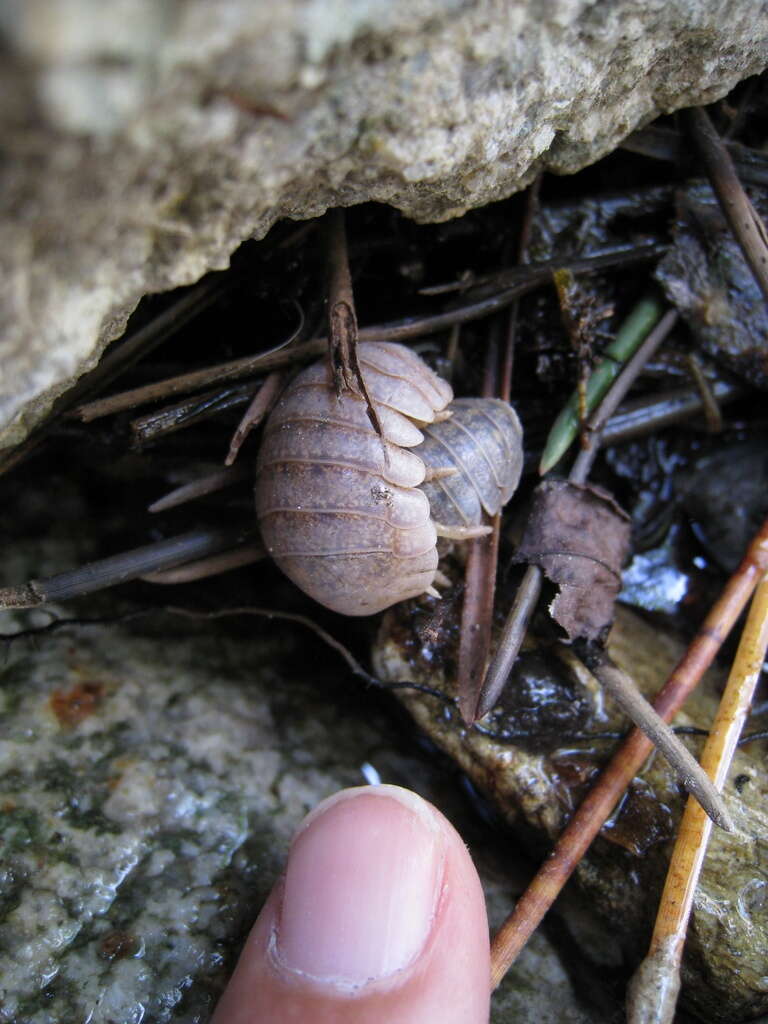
<point>346,513</point>
<point>339,507</point>
<point>476,458</point>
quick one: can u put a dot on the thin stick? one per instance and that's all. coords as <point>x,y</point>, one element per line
<point>711,409</point>
<point>191,410</point>
<point>342,319</point>
<point>527,595</point>
<point>596,808</point>
<point>615,396</point>
<point>146,339</point>
<point>516,624</point>
<point>220,373</point>
<point>128,565</point>
<point>396,330</point>
<point>653,991</point>
<point>198,488</point>
<point>262,402</point>
<point>342,316</point>
<point>130,350</point>
<point>689,772</point>
<point>483,555</point>
<point>511,639</point>
<point>235,369</point>
<point>509,276</point>
<point>477,618</point>
<point>482,561</point>
<point>744,220</point>
<point>645,415</point>
<point>479,583</point>
<point>214,565</point>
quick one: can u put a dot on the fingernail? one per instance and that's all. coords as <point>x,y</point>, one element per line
<point>361,888</point>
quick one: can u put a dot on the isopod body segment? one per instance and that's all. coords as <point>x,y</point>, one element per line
<point>339,507</point>
<point>483,442</point>
<point>353,517</point>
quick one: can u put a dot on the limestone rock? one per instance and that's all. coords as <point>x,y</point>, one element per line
<point>144,140</point>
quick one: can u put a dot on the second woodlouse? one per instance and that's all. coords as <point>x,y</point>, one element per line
<point>342,510</point>
<point>482,441</point>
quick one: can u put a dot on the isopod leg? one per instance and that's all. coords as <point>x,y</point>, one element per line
<point>461,532</point>
<point>439,472</point>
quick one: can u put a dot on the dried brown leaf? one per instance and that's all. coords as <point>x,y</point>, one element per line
<point>579,537</point>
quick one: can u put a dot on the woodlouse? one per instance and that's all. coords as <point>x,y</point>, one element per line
<point>482,441</point>
<point>342,510</point>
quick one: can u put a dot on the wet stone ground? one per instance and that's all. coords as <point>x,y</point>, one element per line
<point>152,774</point>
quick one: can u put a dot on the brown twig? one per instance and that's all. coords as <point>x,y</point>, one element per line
<point>516,625</point>
<point>262,402</point>
<point>595,809</point>
<point>128,565</point>
<point>479,584</point>
<point>689,772</point>
<point>214,565</point>
<point>199,488</point>
<point>709,404</point>
<point>653,991</point>
<point>342,319</point>
<point>508,277</point>
<point>511,639</point>
<point>397,330</point>
<point>170,418</point>
<point>146,339</point>
<point>235,369</point>
<point>646,415</point>
<point>477,618</point>
<point>220,373</point>
<point>747,227</point>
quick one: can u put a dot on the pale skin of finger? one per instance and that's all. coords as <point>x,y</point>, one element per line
<point>448,977</point>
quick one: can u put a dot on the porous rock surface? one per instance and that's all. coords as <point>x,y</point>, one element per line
<point>150,789</point>
<point>145,139</point>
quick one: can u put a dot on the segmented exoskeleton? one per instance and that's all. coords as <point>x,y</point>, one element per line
<point>345,512</point>
<point>483,442</point>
